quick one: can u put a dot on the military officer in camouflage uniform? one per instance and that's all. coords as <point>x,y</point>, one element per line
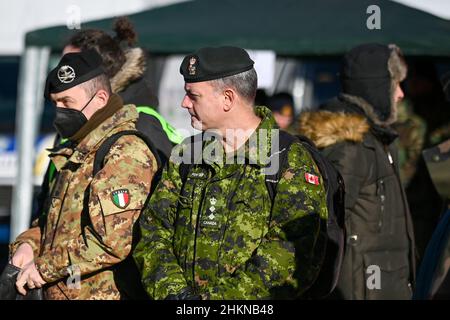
<point>210,230</point>
<point>81,248</point>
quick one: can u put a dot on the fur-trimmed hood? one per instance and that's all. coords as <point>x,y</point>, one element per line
<point>346,118</point>
<point>133,69</point>
<point>326,128</point>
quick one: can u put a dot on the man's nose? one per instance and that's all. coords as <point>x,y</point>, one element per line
<point>400,93</point>
<point>186,102</point>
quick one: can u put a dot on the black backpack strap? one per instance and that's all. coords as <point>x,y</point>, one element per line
<point>335,224</point>
<point>109,142</point>
<point>152,128</point>
<point>184,171</point>
<point>285,141</point>
<point>332,179</point>
<point>184,168</point>
<point>100,158</point>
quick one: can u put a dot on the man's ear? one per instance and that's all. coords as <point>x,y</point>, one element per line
<point>102,97</point>
<point>229,99</point>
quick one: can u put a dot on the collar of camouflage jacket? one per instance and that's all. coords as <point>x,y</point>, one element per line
<point>78,153</point>
<point>115,102</point>
<point>256,150</point>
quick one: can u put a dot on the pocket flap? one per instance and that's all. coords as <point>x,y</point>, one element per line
<point>387,261</point>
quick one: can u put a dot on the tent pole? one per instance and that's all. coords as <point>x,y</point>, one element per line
<point>33,69</point>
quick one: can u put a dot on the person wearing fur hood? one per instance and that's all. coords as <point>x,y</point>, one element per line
<point>125,65</point>
<point>353,131</point>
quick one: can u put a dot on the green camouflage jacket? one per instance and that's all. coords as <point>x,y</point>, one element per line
<point>219,233</point>
<point>70,245</point>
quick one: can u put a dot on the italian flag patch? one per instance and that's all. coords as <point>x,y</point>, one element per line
<point>121,198</point>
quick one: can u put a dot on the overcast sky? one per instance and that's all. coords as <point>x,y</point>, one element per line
<point>440,8</point>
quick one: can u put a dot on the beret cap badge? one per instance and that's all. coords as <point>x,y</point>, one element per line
<point>192,67</point>
<point>66,74</point>
<point>211,63</point>
<point>73,69</point>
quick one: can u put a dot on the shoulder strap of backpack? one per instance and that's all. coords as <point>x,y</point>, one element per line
<point>184,168</point>
<point>285,141</point>
<point>109,142</point>
<point>171,132</point>
<point>333,180</point>
<point>99,158</point>
<point>184,171</point>
<point>334,225</point>
<point>316,155</point>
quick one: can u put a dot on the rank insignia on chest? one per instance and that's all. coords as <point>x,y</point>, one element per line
<point>310,178</point>
<point>121,198</point>
<point>209,219</point>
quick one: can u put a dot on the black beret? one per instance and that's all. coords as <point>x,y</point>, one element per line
<point>215,63</point>
<point>73,69</point>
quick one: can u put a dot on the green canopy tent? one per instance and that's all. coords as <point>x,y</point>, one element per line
<point>287,27</point>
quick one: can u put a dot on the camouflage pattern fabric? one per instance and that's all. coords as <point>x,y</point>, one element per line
<point>411,130</point>
<point>440,134</point>
<point>219,234</point>
<point>88,245</point>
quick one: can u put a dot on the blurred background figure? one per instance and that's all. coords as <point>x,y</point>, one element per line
<point>126,65</point>
<point>354,132</point>
<point>433,280</point>
<point>411,131</point>
<point>427,100</point>
<point>123,62</point>
<point>282,106</point>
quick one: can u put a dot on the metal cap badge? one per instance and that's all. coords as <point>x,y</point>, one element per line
<point>66,74</point>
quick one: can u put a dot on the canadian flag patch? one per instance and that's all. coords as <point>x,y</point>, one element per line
<point>310,178</point>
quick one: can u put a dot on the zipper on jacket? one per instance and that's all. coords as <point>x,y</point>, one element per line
<point>390,158</point>
<point>391,161</point>
<point>199,216</point>
<point>408,222</point>
<point>67,177</point>
<point>229,199</point>
<point>382,195</point>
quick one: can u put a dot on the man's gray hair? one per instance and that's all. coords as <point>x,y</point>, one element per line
<point>245,84</point>
<point>101,82</point>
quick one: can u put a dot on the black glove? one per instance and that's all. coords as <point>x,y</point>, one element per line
<point>8,289</point>
<point>185,294</point>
